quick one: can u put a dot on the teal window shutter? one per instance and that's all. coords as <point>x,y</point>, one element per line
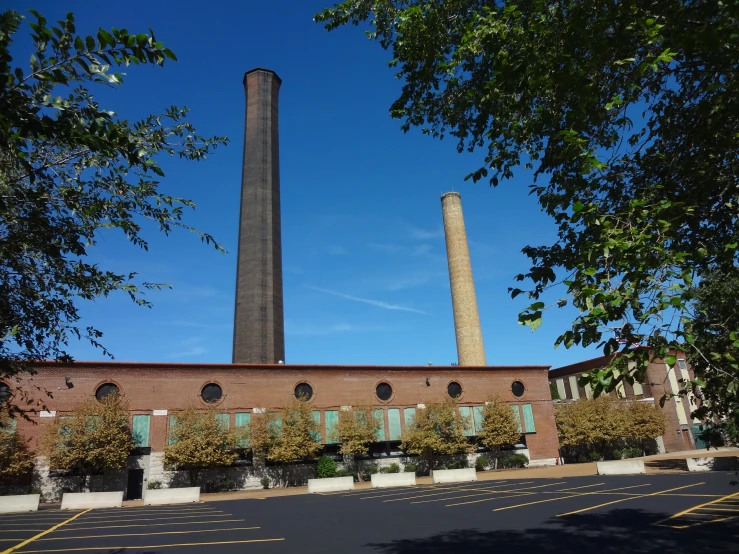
<point>466,412</point>
<point>275,426</point>
<point>332,420</point>
<point>141,430</point>
<point>380,417</point>
<point>517,416</point>
<point>393,421</point>
<point>224,420</point>
<point>172,425</point>
<point>410,418</point>
<point>528,418</point>
<point>317,418</point>
<point>243,419</point>
<point>477,413</point>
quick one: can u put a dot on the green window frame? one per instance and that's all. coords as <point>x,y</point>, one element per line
<point>316,414</point>
<point>528,418</point>
<point>331,420</point>
<point>477,412</point>
<point>170,431</point>
<point>224,420</point>
<point>379,415</point>
<point>242,419</point>
<point>469,426</point>
<point>517,416</point>
<point>393,421</point>
<point>140,427</point>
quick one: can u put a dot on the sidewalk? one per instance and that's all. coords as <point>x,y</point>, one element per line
<point>661,465</point>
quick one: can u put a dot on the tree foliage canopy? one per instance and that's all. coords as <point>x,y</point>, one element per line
<point>288,435</point>
<point>438,429</point>
<point>606,425</point>
<point>16,460</point>
<point>714,324</point>
<point>499,425</point>
<point>356,430</point>
<point>69,169</point>
<point>626,112</point>
<point>94,437</point>
<point>199,440</point>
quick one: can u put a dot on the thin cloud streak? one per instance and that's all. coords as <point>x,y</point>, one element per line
<point>423,234</point>
<point>371,302</point>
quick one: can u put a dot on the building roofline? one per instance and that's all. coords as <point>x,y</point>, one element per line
<point>180,365</point>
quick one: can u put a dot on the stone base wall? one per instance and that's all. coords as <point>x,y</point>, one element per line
<point>245,477</point>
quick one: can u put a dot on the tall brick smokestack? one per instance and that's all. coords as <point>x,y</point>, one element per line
<point>259,329</point>
<point>470,350</point>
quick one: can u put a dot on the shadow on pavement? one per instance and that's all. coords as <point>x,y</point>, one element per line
<point>623,531</point>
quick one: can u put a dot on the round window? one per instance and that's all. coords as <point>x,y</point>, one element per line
<point>518,389</point>
<point>454,389</point>
<point>303,391</point>
<point>5,393</point>
<point>384,391</point>
<point>211,393</point>
<point>106,390</point>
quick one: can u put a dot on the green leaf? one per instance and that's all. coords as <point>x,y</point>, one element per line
<point>671,360</point>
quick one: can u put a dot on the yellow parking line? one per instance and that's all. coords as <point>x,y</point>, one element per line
<point>630,498</point>
<point>149,546</point>
<point>568,495</point>
<point>22,524</point>
<point>577,488</point>
<point>149,525</point>
<point>719,509</point>
<point>685,512</point>
<point>130,515</point>
<point>446,491</point>
<point>523,490</point>
<point>421,489</point>
<point>148,534</point>
<point>91,520</point>
<point>49,530</point>
<point>481,493</point>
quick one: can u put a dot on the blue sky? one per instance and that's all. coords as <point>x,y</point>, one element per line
<point>365,275</point>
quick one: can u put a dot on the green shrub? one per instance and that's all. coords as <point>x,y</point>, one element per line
<point>631,452</point>
<point>326,467</point>
<point>514,460</point>
<point>265,482</point>
<point>594,456</point>
<point>412,468</point>
<point>153,485</point>
<point>392,468</point>
<point>343,473</point>
<point>481,464</point>
<point>455,464</point>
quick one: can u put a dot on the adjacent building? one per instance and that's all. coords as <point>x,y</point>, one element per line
<point>683,433</point>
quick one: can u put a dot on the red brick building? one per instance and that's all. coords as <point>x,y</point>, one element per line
<point>155,390</point>
<point>661,380</point>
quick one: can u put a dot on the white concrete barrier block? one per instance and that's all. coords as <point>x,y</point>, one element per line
<point>621,467</point>
<point>382,480</point>
<point>331,484</point>
<point>77,500</point>
<point>184,495</point>
<point>713,463</point>
<point>454,475</point>
<point>19,503</point>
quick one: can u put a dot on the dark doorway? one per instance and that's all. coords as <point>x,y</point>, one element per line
<point>135,484</point>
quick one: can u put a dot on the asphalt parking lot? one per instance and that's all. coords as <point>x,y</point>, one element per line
<point>642,514</point>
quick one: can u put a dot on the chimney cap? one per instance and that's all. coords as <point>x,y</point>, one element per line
<point>446,194</point>
<point>265,70</point>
